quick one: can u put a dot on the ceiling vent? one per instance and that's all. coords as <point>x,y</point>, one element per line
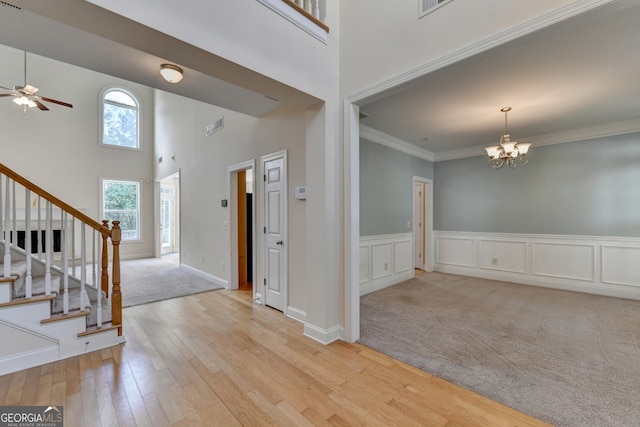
<point>215,126</point>
<point>3,3</point>
<point>428,6</point>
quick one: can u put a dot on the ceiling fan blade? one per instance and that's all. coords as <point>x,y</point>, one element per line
<point>55,101</point>
<point>7,94</point>
<point>40,105</point>
<point>5,88</point>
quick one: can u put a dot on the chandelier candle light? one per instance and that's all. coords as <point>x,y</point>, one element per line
<point>509,152</point>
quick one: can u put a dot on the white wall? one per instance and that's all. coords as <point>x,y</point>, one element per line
<point>203,161</point>
<point>58,149</point>
<point>385,39</point>
<point>247,33</point>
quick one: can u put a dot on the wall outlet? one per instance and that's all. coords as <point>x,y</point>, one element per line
<point>386,266</point>
<point>494,261</point>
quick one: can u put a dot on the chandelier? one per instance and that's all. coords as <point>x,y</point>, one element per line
<point>508,152</point>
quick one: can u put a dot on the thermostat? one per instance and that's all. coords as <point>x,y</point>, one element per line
<point>301,193</point>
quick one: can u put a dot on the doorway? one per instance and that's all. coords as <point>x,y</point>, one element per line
<point>242,220</point>
<point>245,229</point>
<point>169,215</point>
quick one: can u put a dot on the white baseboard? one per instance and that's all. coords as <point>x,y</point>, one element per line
<point>296,314</point>
<point>40,356</point>
<point>324,336</point>
<point>210,277</point>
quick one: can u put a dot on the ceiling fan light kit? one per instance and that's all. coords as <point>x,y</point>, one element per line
<point>25,96</point>
<point>508,152</point>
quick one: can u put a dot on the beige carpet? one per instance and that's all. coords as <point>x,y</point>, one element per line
<point>156,279</point>
<point>566,358</point>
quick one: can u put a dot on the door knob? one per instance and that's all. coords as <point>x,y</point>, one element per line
<point>279,242</point>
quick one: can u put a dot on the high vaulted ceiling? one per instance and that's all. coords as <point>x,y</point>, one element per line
<point>580,77</point>
<point>576,79</point>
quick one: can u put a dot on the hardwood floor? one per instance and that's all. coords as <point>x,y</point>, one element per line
<point>216,359</point>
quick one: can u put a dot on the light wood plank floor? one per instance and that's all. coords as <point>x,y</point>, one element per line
<point>216,359</point>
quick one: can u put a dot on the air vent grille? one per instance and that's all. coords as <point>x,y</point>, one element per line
<point>4,3</point>
<point>428,6</point>
<point>215,126</point>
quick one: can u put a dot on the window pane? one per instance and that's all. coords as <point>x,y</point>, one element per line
<point>120,126</point>
<point>121,203</point>
<point>120,98</point>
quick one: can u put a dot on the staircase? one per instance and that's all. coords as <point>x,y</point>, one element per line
<point>55,298</point>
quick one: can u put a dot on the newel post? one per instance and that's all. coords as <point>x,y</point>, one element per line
<point>116,296</point>
<point>104,280</point>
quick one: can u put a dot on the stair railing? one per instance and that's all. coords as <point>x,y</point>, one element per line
<point>57,245</point>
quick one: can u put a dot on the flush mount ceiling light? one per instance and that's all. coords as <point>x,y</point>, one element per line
<point>171,73</point>
<point>512,153</point>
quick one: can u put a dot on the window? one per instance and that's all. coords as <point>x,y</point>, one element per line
<point>121,202</point>
<point>120,124</point>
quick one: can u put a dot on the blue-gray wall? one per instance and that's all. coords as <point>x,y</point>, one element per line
<point>386,188</point>
<point>580,188</point>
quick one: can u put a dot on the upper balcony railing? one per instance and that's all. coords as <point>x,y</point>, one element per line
<point>306,14</point>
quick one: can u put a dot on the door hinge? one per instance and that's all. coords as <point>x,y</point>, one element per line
<point>264,178</point>
<point>265,230</point>
<point>264,281</point>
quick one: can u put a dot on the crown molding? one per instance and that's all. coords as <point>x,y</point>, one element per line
<point>531,26</point>
<point>382,138</point>
<point>583,134</point>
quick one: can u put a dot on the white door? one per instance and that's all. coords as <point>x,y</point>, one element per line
<point>418,224</point>
<point>275,254</point>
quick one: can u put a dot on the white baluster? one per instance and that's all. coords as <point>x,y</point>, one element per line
<point>65,262</point>
<point>308,7</point>
<point>7,230</point>
<point>73,247</point>
<point>39,239</point>
<point>300,3</point>
<point>47,249</point>
<point>316,9</point>
<point>98,288</point>
<point>93,259</point>
<point>28,281</point>
<point>14,236</point>
<point>84,298</point>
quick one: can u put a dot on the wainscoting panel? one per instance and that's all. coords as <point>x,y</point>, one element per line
<point>503,255</point>
<point>385,260</point>
<point>562,260</point>
<point>621,265</point>
<point>592,264</point>
<point>456,251</point>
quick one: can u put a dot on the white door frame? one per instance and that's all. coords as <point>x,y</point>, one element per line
<point>427,209</point>
<point>157,247</point>
<point>232,178</point>
<point>260,283</point>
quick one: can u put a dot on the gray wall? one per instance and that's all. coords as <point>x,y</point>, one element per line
<point>580,188</point>
<point>386,188</point>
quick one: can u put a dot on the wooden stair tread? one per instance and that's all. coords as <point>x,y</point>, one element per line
<point>71,315</point>
<point>37,298</point>
<point>108,326</point>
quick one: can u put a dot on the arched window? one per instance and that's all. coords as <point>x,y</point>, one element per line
<point>120,119</point>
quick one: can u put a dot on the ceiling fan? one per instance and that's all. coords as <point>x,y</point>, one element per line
<point>26,95</point>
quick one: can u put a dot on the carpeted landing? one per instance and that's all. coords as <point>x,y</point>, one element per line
<point>566,358</point>
<point>156,279</point>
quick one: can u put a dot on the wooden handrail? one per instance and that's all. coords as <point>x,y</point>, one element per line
<point>315,20</point>
<point>53,199</point>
